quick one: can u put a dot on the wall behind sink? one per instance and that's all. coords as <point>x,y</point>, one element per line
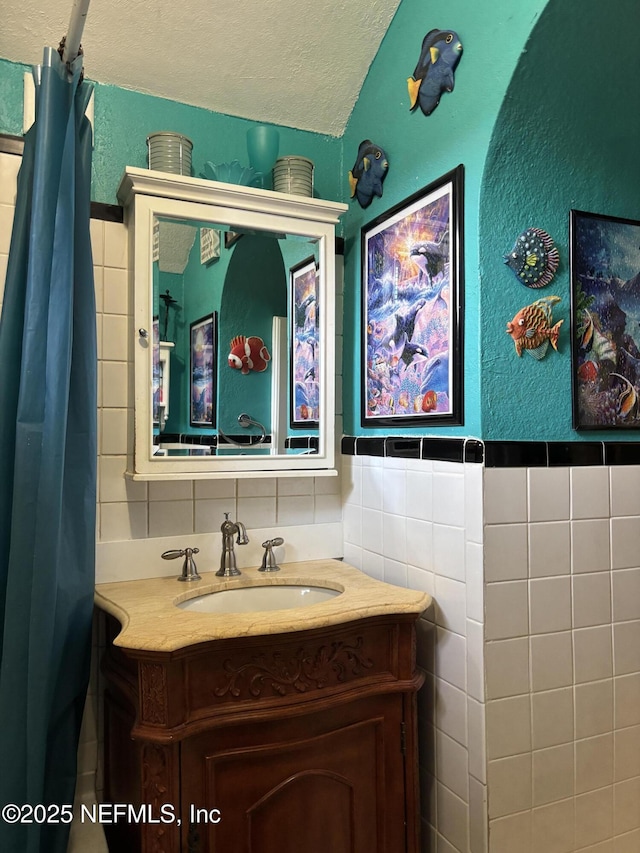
<point>137,521</point>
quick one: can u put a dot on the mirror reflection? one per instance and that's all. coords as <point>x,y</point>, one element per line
<point>236,351</point>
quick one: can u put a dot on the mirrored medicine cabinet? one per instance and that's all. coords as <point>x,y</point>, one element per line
<point>234,328</point>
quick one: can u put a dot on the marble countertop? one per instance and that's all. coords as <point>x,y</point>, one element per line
<point>150,620</point>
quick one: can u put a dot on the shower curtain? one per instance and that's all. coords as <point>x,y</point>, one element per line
<point>47,468</point>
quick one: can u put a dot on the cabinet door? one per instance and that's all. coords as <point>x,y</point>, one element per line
<point>331,782</point>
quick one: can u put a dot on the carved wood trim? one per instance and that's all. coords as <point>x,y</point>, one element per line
<point>303,670</point>
<point>155,786</point>
<point>153,699</point>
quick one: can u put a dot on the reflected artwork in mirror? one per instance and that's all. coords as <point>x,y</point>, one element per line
<point>227,347</point>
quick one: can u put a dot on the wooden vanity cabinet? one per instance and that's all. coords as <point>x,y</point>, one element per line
<point>291,742</point>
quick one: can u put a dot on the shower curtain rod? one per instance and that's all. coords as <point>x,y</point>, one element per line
<point>74,32</point>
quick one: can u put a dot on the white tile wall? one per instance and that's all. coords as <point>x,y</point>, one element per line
<point>577,608</point>
<point>419,523</point>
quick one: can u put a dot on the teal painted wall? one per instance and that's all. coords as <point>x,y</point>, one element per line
<point>566,137</point>
<point>541,125</point>
<point>421,148</point>
<point>124,118</point>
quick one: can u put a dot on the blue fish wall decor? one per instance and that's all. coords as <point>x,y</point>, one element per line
<point>433,75</point>
<point>534,258</point>
<point>368,173</point>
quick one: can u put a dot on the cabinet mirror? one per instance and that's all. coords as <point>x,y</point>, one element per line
<point>234,351</point>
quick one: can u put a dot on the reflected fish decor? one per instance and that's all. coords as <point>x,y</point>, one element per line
<point>433,75</point>
<point>534,258</point>
<point>248,353</point>
<point>531,328</point>
<point>368,173</point>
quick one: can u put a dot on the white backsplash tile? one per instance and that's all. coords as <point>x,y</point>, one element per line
<point>328,508</point>
<point>549,549</point>
<point>590,492</point>
<point>551,661</point>
<point>394,497</point>
<point>625,542</point>
<point>510,788</point>
<point>508,727</point>
<point>451,654</point>
<point>448,492</point>
<point>170,518</point>
<point>505,552</point>
<point>210,513</point>
<point>553,774</point>
<point>592,654</point>
<point>625,490</point>
<point>594,762</point>
<point>372,486</point>
<point>171,490</point>
<point>550,605</point>
<point>394,537</point>
<point>295,509</point>
<point>507,667</point>
<point>593,708</point>
<point>395,572</point>
<point>548,494</point>
<point>449,551</point>
<point>590,546</point>
<point>115,291</point>
<point>113,432</point>
<point>115,245</point>
<point>372,530</point>
<point>451,610</point>
<point>256,511</point>
<point>626,594</point>
<point>506,610</point>
<point>505,495</point>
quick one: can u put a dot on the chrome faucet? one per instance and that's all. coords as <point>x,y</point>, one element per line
<point>229,529</point>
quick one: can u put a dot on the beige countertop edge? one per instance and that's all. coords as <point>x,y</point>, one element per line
<point>151,621</point>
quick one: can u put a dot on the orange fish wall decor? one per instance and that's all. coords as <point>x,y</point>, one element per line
<point>248,353</point>
<point>531,328</point>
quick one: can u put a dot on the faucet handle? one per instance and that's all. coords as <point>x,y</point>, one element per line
<point>268,558</point>
<point>189,570</point>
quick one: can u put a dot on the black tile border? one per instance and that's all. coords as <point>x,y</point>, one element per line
<point>107,212</point>
<point>496,454</point>
<point>11,144</point>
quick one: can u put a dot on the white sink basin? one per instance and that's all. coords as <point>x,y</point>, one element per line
<point>254,598</point>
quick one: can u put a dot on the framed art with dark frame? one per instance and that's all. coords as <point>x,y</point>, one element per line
<point>303,337</point>
<point>605,321</point>
<point>202,371</point>
<point>412,309</point>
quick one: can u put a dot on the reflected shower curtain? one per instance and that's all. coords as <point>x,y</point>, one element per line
<point>47,467</point>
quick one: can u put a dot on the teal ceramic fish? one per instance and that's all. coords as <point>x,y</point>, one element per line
<point>534,258</point>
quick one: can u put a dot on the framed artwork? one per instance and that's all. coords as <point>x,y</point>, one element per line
<point>203,368</point>
<point>304,394</point>
<point>412,309</point>
<point>605,321</point>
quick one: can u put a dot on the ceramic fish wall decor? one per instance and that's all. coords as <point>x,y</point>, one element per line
<point>248,353</point>
<point>368,173</point>
<point>531,328</point>
<point>433,75</point>
<point>534,258</point>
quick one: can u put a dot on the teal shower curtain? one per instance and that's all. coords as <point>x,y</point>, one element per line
<point>47,468</point>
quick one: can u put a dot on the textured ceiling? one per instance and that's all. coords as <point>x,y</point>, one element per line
<point>299,63</point>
